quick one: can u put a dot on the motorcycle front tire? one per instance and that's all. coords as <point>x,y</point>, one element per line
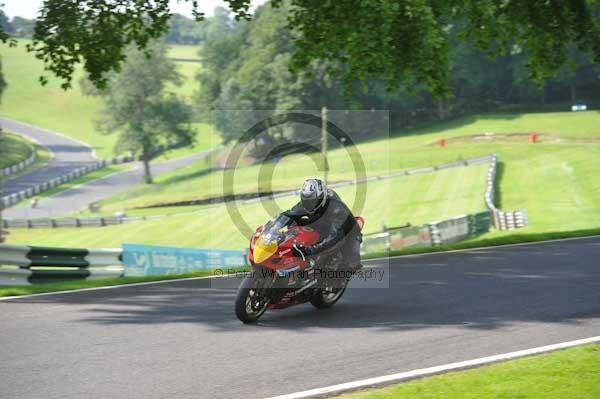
<point>244,309</point>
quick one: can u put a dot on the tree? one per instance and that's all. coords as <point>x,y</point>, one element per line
<point>247,69</point>
<point>22,27</point>
<point>5,24</point>
<point>2,81</point>
<point>138,106</point>
<point>183,30</point>
<point>406,42</point>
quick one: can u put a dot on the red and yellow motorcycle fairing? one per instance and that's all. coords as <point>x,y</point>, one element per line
<point>274,252</point>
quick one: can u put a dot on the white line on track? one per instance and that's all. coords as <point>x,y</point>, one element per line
<point>408,375</point>
<point>224,275</point>
<point>109,287</point>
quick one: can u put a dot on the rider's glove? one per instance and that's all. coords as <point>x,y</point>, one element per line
<point>301,251</point>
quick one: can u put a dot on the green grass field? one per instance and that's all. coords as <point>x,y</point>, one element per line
<point>206,138</point>
<point>393,202</point>
<point>555,180</point>
<point>184,51</point>
<point>68,112</point>
<point>43,156</point>
<point>188,70</point>
<point>572,373</point>
<point>187,61</point>
<point>13,149</point>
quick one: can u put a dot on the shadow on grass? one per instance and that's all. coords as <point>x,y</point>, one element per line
<point>186,176</point>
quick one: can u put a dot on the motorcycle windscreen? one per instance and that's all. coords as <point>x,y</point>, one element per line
<point>263,249</point>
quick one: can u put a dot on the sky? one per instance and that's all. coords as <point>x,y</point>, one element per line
<point>29,8</point>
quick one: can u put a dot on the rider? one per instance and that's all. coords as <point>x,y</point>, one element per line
<point>322,209</point>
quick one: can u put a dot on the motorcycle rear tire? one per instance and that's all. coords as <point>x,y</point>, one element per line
<point>321,301</point>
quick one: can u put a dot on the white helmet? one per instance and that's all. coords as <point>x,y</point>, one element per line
<point>313,195</point>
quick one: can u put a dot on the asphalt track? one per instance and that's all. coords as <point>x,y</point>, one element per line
<point>67,155</point>
<point>182,340</point>
<point>79,197</point>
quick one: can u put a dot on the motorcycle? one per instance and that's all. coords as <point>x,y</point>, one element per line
<point>280,279</point>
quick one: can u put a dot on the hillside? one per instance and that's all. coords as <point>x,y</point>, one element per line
<point>534,175</point>
<point>68,112</point>
<point>418,198</point>
<point>555,180</point>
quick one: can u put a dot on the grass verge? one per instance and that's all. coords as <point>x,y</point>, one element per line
<point>106,282</point>
<point>184,51</point>
<point>417,198</point>
<point>42,158</point>
<point>555,180</point>
<point>13,149</point>
<point>571,373</point>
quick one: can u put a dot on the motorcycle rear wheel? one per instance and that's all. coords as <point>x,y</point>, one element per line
<point>251,300</point>
<point>326,297</point>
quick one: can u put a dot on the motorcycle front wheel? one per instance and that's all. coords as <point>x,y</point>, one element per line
<point>252,298</point>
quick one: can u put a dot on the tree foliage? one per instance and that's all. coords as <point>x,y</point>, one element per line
<point>139,107</point>
<point>183,30</point>
<point>6,27</point>
<point>408,40</point>
<point>97,32</point>
<point>5,24</point>
<point>405,42</point>
<point>2,80</point>
<point>247,69</point>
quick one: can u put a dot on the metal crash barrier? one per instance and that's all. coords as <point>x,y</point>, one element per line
<point>24,264</point>
<point>429,234</point>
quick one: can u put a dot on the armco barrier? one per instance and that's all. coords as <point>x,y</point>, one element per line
<point>107,221</point>
<point>502,220</point>
<point>499,219</point>
<point>409,237</point>
<point>72,222</point>
<point>23,264</point>
<point>9,170</point>
<point>427,235</point>
<point>36,264</point>
<point>450,231</point>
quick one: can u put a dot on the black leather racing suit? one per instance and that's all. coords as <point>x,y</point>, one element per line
<point>336,226</point>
